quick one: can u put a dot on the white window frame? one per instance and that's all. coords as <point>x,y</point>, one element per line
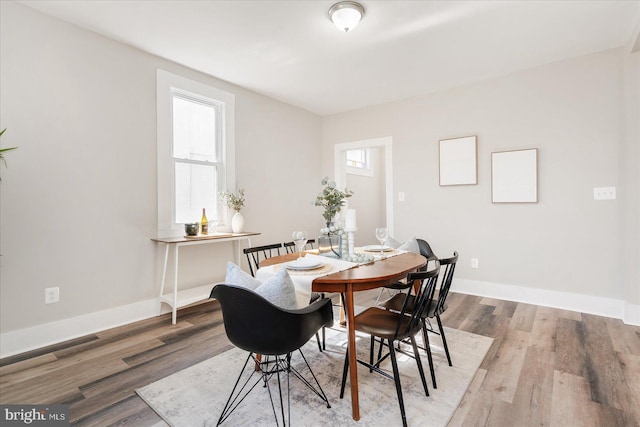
<point>167,85</point>
<point>367,170</point>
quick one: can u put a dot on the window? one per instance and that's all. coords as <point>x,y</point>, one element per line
<point>195,143</point>
<point>195,151</point>
<point>359,162</point>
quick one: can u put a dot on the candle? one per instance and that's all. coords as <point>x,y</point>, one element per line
<point>350,220</point>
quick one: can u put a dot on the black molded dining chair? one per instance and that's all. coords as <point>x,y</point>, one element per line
<point>436,308</point>
<point>255,325</point>
<point>390,326</point>
<point>259,253</point>
<point>290,247</point>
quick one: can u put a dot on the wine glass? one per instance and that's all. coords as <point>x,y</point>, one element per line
<point>300,239</point>
<point>381,235</point>
<point>215,224</point>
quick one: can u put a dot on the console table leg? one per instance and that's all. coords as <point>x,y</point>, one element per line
<point>174,308</point>
<point>164,276</point>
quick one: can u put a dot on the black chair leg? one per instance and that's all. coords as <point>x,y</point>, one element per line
<point>344,373</point>
<point>324,341</point>
<point>444,339</point>
<point>232,403</point>
<point>280,393</point>
<point>419,362</point>
<point>396,379</point>
<point>427,347</point>
<point>318,391</point>
<point>318,339</point>
<point>380,351</point>
<point>371,350</point>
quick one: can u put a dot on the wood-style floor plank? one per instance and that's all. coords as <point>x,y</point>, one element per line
<point>544,331</point>
<point>607,382</point>
<point>546,367</point>
<point>531,401</point>
<point>459,417</point>
<point>571,354</point>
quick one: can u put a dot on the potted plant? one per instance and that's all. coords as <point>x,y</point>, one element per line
<point>332,200</point>
<point>236,202</point>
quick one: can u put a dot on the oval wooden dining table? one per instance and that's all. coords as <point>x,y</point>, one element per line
<point>359,278</point>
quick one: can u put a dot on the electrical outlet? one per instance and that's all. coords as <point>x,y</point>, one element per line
<point>474,262</point>
<point>51,295</point>
<point>604,193</point>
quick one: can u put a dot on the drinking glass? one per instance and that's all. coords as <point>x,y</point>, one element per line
<point>300,239</point>
<point>381,235</point>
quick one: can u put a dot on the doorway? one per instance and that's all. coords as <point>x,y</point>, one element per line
<point>373,192</point>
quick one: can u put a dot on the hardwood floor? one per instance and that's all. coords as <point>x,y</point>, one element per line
<point>546,367</point>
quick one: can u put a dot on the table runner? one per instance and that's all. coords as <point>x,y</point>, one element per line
<point>302,279</point>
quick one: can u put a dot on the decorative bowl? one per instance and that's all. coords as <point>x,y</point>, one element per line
<point>191,228</point>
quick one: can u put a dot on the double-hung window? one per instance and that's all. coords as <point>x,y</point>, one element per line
<point>195,151</point>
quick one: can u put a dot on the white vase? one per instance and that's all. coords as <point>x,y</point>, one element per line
<point>237,223</point>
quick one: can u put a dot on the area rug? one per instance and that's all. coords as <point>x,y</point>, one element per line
<point>196,396</point>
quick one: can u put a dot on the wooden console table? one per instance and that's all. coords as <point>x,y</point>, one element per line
<point>177,298</point>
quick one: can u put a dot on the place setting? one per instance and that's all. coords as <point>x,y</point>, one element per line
<point>305,264</point>
<point>381,251</point>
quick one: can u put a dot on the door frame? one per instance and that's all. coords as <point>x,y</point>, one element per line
<point>340,164</point>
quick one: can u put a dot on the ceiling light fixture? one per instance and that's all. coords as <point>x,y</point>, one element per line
<point>346,15</point>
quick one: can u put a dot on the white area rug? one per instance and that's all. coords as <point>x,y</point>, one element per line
<point>195,396</point>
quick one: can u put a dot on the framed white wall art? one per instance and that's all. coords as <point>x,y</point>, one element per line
<point>514,176</point>
<point>458,161</point>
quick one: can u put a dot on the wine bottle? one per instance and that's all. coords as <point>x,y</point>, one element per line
<point>204,224</point>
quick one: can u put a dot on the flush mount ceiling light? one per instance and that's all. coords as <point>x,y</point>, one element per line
<point>346,15</point>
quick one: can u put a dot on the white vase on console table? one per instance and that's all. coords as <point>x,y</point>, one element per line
<point>237,223</point>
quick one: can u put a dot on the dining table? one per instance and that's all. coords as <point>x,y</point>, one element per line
<point>359,277</point>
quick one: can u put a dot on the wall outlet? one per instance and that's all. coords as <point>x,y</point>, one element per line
<point>604,193</point>
<point>474,262</point>
<point>51,295</point>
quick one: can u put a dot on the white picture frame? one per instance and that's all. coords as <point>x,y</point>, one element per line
<point>514,176</point>
<point>458,161</point>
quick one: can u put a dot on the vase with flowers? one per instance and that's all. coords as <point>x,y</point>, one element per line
<point>332,200</point>
<point>236,202</point>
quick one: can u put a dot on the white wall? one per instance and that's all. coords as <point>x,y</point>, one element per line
<point>629,228</point>
<point>566,246</point>
<point>78,199</point>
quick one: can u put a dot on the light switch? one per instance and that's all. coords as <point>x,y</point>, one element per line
<point>604,193</point>
<point>401,196</point>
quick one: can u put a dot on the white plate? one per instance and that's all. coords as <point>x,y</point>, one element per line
<point>303,264</point>
<point>376,248</point>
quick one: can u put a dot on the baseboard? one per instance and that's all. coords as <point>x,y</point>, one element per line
<point>39,336</point>
<point>608,307</point>
<point>35,337</point>
<point>632,314</point>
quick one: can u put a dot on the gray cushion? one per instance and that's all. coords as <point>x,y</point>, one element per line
<point>278,289</point>
<point>411,245</point>
<point>391,242</point>
<point>235,276</point>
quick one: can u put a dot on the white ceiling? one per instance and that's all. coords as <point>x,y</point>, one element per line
<point>290,50</point>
